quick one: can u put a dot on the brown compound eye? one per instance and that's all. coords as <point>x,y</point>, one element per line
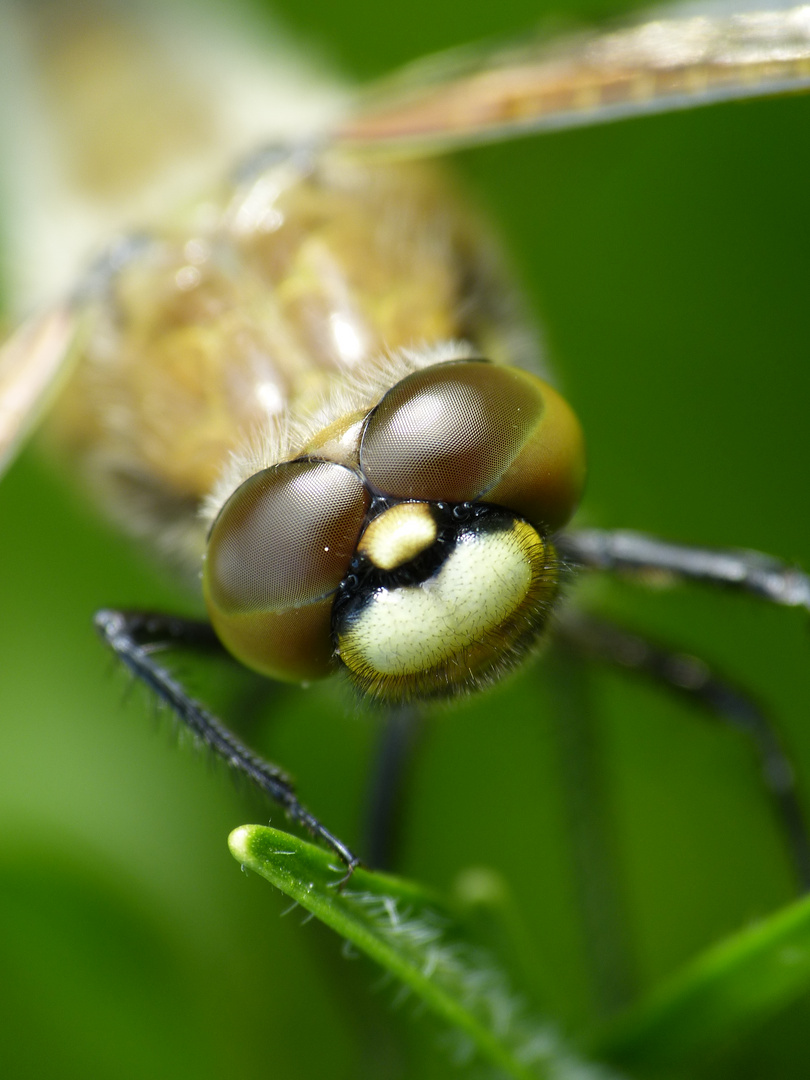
<point>468,430</point>
<point>276,554</point>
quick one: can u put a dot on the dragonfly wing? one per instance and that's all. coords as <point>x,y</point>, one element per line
<point>117,112</point>
<point>33,363</point>
<point>486,93</point>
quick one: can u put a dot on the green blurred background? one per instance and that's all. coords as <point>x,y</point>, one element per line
<point>667,260</point>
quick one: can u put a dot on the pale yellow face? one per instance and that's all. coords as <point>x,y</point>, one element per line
<point>488,598</point>
<point>398,535</point>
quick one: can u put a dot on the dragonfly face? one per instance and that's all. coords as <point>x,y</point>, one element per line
<point>663,263</point>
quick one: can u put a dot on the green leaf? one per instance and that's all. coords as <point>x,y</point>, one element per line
<point>420,942</point>
<point>727,990</point>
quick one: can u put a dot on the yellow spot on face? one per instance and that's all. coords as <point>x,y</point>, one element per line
<point>415,628</point>
<point>398,535</point>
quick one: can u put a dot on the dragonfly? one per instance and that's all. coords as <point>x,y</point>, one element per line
<point>466,98</point>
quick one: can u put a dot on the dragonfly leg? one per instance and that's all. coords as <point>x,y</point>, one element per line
<point>133,637</point>
<point>639,555</point>
<point>594,858</point>
<point>400,734</point>
<point>691,677</point>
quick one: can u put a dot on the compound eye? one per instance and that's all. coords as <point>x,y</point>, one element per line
<point>277,552</point>
<point>467,431</point>
<point>448,432</point>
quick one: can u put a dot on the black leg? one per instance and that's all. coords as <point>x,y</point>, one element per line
<point>642,556</point>
<point>133,637</point>
<point>691,677</point>
<point>591,839</point>
<point>400,732</point>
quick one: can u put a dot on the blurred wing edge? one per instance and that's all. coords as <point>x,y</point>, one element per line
<point>34,362</point>
<point>486,93</point>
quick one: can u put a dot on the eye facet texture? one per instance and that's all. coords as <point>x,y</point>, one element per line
<point>469,430</point>
<point>448,432</point>
<point>278,550</point>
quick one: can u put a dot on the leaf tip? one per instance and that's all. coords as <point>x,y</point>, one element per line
<point>239,842</point>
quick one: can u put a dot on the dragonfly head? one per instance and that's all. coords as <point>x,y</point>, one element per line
<point>424,566</point>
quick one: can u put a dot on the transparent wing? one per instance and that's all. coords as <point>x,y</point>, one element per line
<point>33,362</point>
<point>486,93</point>
<point>115,110</point>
